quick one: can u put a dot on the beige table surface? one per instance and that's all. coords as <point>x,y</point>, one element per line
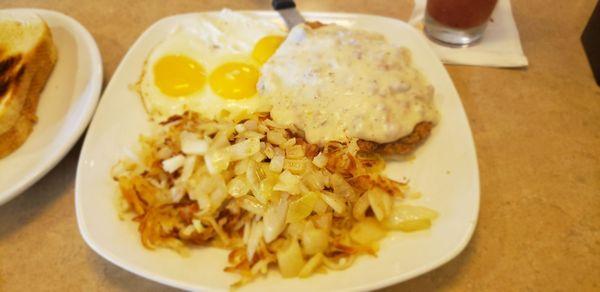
<point>537,133</point>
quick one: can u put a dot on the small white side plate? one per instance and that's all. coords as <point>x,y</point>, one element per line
<point>65,108</point>
<point>445,171</point>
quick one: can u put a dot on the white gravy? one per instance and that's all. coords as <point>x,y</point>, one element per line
<point>336,83</point>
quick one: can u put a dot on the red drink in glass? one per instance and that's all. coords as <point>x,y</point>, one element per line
<point>457,22</point>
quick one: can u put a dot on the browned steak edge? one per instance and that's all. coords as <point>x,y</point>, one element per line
<point>404,145</point>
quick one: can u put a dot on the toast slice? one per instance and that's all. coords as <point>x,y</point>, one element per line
<point>27,57</point>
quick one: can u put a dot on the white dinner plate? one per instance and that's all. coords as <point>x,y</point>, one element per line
<point>444,170</point>
<point>65,108</point>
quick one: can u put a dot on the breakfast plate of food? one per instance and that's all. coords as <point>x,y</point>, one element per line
<point>228,151</point>
<point>50,80</point>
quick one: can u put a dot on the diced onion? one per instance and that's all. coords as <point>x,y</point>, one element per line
<point>262,128</point>
<point>295,151</point>
<point>310,266</point>
<point>256,233</point>
<point>259,157</point>
<point>294,230</point>
<point>290,260</point>
<point>335,202</point>
<point>174,163</point>
<point>177,193</point>
<point>252,205</point>
<point>276,137</point>
<point>198,225</point>
<point>341,264</point>
<point>289,143</point>
<point>219,194</point>
<point>201,197</point>
<point>251,135</point>
<point>274,219</point>
<point>409,218</point>
<point>314,240</point>
<point>253,178</point>
<point>360,207</point>
<point>265,188</point>
<point>320,160</point>
<point>240,128</point>
<point>246,232</point>
<point>244,149</point>
<point>191,144</point>
<point>187,231</point>
<point>295,166</point>
<point>188,168</point>
<point>301,207</point>
<point>341,187</point>
<point>260,267</point>
<point>216,161</point>
<point>288,183</point>
<point>320,206</point>
<point>314,180</point>
<point>241,167</point>
<point>324,221</point>
<point>276,164</point>
<point>237,187</point>
<point>269,151</point>
<point>221,140</point>
<point>164,153</point>
<point>367,231</point>
<point>380,202</point>
<point>251,125</point>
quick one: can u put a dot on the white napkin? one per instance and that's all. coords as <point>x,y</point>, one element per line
<point>499,47</point>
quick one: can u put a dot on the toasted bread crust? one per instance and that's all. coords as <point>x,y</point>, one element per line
<point>24,81</point>
<point>7,76</point>
<point>404,145</point>
<point>12,139</point>
<point>45,62</point>
<point>15,82</point>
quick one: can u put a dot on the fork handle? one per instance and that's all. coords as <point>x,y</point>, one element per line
<point>283,4</point>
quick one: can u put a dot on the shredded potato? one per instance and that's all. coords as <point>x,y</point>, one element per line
<point>258,189</point>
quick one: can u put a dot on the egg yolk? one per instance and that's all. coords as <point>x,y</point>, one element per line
<point>266,47</point>
<point>178,75</point>
<point>234,80</point>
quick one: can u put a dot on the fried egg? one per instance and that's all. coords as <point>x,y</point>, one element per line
<point>210,65</point>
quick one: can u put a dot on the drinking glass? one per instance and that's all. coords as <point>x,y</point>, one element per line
<point>457,22</point>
